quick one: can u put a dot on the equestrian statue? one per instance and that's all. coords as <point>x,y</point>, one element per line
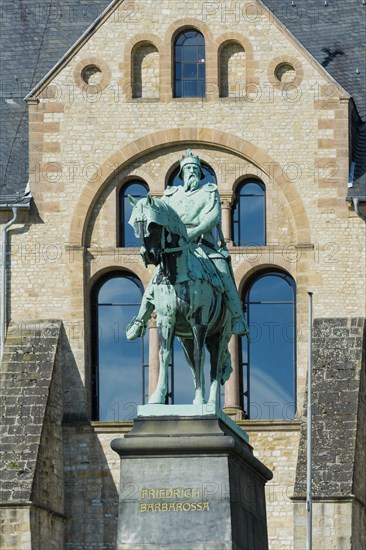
<point>193,290</point>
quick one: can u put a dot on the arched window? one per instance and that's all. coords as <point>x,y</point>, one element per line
<point>119,373</point>
<point>232,70</point>
<point>145,71</point>
<point>249,214</point>
<point>189,64</point>
<point>137,189</point>
<point>268,358</point>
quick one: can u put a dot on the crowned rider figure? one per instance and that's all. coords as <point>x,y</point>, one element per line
<point>199,208</point>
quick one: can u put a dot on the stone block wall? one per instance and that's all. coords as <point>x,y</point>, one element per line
<point>339,438</point>
<point>92,472</point>
<point>276,445</point>
<point>31,507</point>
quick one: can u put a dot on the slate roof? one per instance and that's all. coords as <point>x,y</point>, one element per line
<point>334,32</point>
<point>35,35</point>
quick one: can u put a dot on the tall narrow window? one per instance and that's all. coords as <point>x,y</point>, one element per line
<point>189,64</point>
<point>119,376</point>
<point>137,189</point>
<point>268,358</point>
<point>249,214</point>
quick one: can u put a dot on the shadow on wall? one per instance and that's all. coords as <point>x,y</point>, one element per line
<point>91,497</point>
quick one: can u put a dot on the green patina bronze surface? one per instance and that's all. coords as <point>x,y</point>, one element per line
<point>193,289</point>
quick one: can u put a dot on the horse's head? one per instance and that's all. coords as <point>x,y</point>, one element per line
<point>155,224</point>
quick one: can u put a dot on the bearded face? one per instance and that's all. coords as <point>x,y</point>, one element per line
<point>191,177</point>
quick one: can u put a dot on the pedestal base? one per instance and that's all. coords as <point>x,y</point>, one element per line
<point>190,482</point>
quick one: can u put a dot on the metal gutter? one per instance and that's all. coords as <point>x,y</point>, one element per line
<point>356,205</point>
<point>4,266</point>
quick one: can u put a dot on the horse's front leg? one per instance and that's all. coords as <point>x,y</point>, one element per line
<point>199,335</point>
<point>166,333</point>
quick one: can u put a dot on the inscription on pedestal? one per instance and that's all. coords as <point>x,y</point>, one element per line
<point>190,482</point>
<point>178,499</point>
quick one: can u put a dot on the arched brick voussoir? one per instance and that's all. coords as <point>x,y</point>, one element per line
<point>246,270</point>
<point>165,139</point>
<point>236,37</point>
<point>188,22</point>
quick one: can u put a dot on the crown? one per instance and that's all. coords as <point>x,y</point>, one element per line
<point>190,159</point>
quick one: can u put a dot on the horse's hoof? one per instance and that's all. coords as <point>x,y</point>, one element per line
<point>157,398</point>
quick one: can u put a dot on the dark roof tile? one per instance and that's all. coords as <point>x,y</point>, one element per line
<point>35,35</point>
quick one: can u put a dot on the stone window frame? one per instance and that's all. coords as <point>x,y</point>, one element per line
<point>180,45</point>
<point>283,59</point>
<point>240,182</point>
<point>165,48</point>
<point>126,66</point>
<point>95,284</point>
<point>210,59</point>
<point>250,64</point>
<point>119,214</point>
<point>247,281</point>
<point>92,89</point>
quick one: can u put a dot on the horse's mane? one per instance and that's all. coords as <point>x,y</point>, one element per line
<point>173,221</point>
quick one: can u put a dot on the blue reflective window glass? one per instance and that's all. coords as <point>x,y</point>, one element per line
<point>180,379</point>
<point>268,359</point>
<point>190,88</point>
<point>190,54</point>
<point>190,71</point>
<point>179,88</point>
<point>138,190</point>
<point>189,58</point>
<point>201,72</point>
<point>249,215</point>
<point>120,381</point>
<point>178,71</point>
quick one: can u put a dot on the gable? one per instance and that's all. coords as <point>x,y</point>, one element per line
<point>123,21</point>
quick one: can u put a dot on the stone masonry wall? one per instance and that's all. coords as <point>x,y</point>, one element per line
<point>31,506</point>
<point>338,436</point>
<point>359,477</point>
<point>276,445</point>
<point>92,472</point>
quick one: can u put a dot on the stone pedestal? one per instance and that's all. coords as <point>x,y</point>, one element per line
<point>189,481</point>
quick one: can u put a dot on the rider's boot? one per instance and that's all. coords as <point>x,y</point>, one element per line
<point>238,323</point>
<point>231,296</point>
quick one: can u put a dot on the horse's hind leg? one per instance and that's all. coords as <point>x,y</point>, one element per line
<point>220,362</point>
<point>213,346</point>
<point>199,336</point>
<point>166,333</point>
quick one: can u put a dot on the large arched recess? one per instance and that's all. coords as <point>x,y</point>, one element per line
<point>165,139</point>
